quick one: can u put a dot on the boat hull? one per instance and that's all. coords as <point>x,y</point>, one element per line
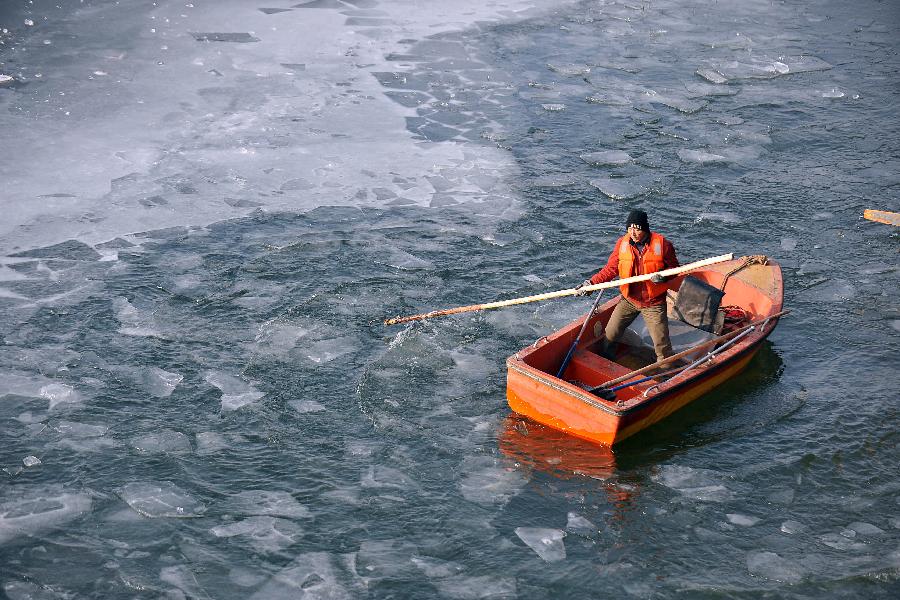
<point>535,392</point>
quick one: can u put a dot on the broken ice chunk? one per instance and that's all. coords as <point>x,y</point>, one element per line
<point>80,430</point>
<point>792,527</point>
<point>580,525</point>
<point>235,392</point>
<point>160,499</point>
<point>29,510</point>
<point>267,502</point>
<point>700,157</point>
<point>612,158</point>
<point>263,533</point>
<point>769,565</point>
<point>161,383</point>
<point>306,406</point>
<point>570,69</point>
<point>742,520</point>
<point>485,481</point>
<point>547,543</point>
<point>866,529</point>
<point>31,461</point>
<point>164,441</point>
<point>239,38</point>
<point>554,107</point>
<point>60,393</point>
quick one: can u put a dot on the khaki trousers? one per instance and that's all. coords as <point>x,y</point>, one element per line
<point>624,313</point>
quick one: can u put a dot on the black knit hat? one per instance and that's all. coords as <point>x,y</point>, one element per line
<point>639,218</point>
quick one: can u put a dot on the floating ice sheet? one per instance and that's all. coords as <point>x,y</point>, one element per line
<point>487,481</point>
<point>30,510</point>
<point>486,586</point>
<point>607,158</point>
<point>701,484</point>
<point>314,575</point>
<point>700,156</point>
<point>79,430</point>
<point>266,502</point>
<point>769,565</point>
<point>569,70</point>
<point>742,520</point>
<point>580,525</point>
<point>760,68</point>
<point>239,38</point>
<point>165,441</point>
<point>134,321</point>
<point>306,406</point>
<point>60,393</point>
<point>158,499</point>
<point>627,188</point>
<point>263,533</point>
<point>547,543</point>
<point>235,392</point>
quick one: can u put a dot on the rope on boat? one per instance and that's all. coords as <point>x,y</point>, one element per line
<point>746,261</point>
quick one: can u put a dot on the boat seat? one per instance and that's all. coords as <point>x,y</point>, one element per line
<point>592,369</point>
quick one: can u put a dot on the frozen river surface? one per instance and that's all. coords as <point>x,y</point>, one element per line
<point>210,207</point>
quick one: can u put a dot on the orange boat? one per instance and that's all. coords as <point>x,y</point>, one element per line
<point>606,401</point>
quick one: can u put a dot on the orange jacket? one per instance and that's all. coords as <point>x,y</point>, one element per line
<point>626,261</point>
<point>631,264</point>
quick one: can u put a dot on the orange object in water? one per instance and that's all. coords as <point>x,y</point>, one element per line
<point>882,216</point>
<point>568,405</point>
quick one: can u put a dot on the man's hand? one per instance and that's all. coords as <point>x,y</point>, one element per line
<point>657,278</point>
<point>579,291</point>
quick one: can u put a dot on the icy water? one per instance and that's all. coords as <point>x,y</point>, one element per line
<point>210,208</point>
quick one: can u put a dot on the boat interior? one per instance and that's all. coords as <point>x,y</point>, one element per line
<point>747,297</point>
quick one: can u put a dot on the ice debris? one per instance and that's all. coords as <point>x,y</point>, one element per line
<point>546,542</point>
<point>160,499</point>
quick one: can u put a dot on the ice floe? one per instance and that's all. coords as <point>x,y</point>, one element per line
<point>487,481</point>
<point>580,525</point>
<point>314,575</point>
<point>604,158</point>
<point>700,157</point>
<point>770,565</point>
<point>760,68</point>
<point>262,533</point>
<point>306,406</point>
<point>742,520</point>
<point>235,392</point>
<point>793,527</point>
<point>700,484</point>
<point>266,502</point>
<point>33,509</point>
<point>164,441</point>
<point>160,499</point>
<point>60,393</point>
<point>546,542</point>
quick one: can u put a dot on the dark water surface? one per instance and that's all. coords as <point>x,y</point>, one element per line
<point>219,412</point>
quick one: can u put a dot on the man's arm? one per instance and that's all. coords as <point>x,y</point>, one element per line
<point>609,271</point>
<point>670,261</point>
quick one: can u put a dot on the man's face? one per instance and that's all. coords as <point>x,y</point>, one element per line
<point>636,233</point>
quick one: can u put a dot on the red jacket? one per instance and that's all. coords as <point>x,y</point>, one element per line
<point>628,259</point>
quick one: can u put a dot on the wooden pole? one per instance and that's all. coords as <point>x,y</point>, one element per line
<point>683,353</point>
<point>882,216</point>
<point>561,293</point>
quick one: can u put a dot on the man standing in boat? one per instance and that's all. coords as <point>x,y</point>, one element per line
<point>638,252</point>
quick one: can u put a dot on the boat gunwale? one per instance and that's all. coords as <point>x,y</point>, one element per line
<point>611,407</point>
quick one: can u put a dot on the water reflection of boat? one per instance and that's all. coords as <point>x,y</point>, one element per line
<point>578,404</point>
<point>545,449</point>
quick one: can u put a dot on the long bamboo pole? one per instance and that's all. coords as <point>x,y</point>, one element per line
<point>561,293</point>
<point>683,353</point>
